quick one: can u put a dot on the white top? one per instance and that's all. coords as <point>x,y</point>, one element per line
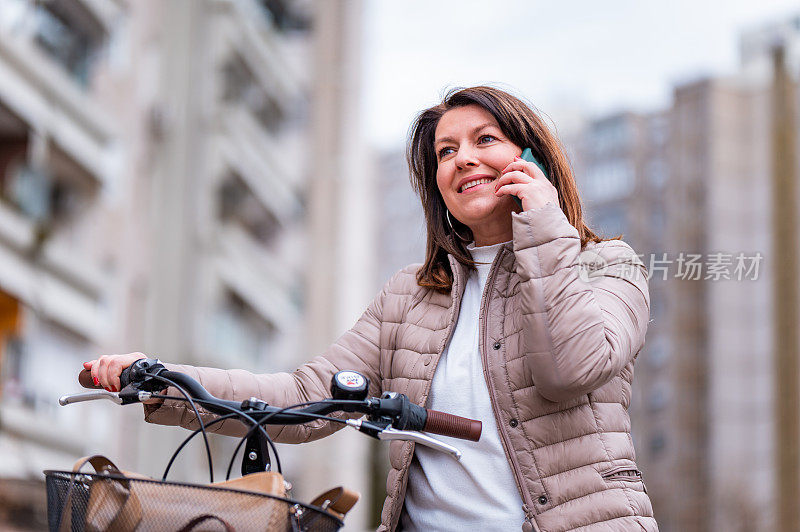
<point>478,492</point>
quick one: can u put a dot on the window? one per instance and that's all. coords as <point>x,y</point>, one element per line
<point>657,353</point>
<point>658,221</point>
<point>238,204</point>
<point>38,359</point>
<point>286,15</point>
<point>609,180</point>
<point>239,333</point>
<point>10,348</point>
<point>69,35</point>
<point>658,126</point>
<point>658,304</point>
<point>657,443</point>
<point>611,135</point>
<point>611,222</point>
<point>657,172</point>
<point>30,190</point>
<point>242,88</point>
<point>53,195</point>
<point>658,397</point>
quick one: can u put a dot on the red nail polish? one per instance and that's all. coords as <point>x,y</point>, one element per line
<point>518,158</point>
<point>96,382</point>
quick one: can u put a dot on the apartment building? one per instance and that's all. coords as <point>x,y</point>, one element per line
<point>59,158</point>
<point>677,184</point>
<point>151,198</point>
<point>722,202</point>
<point>342,219</point>
<point>225,128</point>
<point>620,164</point>
<point>691,189</point>
<point>719,203</point>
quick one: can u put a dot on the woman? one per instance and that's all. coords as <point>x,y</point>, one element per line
<point>500,324</point>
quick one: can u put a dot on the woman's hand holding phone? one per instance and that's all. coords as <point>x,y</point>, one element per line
<point>526,180</point>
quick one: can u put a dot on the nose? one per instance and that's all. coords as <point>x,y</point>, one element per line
<point>465,157</point>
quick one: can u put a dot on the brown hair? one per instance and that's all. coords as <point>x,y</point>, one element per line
<point>524,128</point>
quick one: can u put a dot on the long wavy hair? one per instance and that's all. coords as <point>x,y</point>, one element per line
<point>524,128</point>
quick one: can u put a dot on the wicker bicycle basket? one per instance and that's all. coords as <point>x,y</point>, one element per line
<point>73,504</point>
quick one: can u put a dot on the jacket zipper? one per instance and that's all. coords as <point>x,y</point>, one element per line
<point>451,326</point>
<point>625,473</point>
<point>526,500</point>
<point>611,471</point>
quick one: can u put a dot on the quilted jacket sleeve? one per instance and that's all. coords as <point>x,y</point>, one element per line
<point>357,350</point>
<point>585,312</point>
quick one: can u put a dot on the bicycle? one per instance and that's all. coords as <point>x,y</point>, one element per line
<point>102,500</point>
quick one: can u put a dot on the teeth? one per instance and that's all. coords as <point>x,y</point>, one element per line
<point>471,184</point>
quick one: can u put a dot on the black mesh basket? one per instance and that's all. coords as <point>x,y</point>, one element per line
<point>91,502</point>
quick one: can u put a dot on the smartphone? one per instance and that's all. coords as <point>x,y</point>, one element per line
<point>527,155</point>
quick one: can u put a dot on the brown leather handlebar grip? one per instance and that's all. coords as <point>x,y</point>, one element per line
<point>453,426</point>
<point>85,379</point>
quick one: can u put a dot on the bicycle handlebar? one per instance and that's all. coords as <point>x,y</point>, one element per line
<point>85,379</point>
<point>403,414</point>
<point>451,425</point>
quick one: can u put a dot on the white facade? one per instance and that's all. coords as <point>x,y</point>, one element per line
<point>58,158</point>
<point>403,233</point>
<point>151,185</point>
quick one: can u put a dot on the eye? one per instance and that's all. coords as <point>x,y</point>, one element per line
<point>483,139</point>
<point>445,152</point>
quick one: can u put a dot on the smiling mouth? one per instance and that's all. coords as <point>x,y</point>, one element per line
<point>469,184</point>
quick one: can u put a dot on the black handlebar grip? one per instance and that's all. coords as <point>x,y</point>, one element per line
<point>125,376</point>
<point>85,379</point>
<point>453,426</point>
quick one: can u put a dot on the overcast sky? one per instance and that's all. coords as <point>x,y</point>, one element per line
<point>594,56</point>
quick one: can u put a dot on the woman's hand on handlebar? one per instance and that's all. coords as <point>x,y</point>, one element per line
<point>107,369</point>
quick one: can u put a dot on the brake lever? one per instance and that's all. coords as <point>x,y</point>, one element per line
<point>71,398</point>
<point>127,396</point>
<point>388,433</point>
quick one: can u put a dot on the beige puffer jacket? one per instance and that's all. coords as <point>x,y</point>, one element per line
<point>558,349</point>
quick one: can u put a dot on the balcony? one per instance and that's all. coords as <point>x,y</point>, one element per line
<point>32,442</point>
<point>40,90</point>
<point>255,274</point>
<point>256,157</point>
<point>60,283</point>
<point>39,366</point>
<point>254,37</point>
<point>106,12</point>
<point>269,277</point>
<point>238,334</point>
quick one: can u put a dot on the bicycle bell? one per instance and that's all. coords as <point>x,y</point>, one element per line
<point>349,385</point>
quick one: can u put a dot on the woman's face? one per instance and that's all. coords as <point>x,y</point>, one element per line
<point>472,151</point>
